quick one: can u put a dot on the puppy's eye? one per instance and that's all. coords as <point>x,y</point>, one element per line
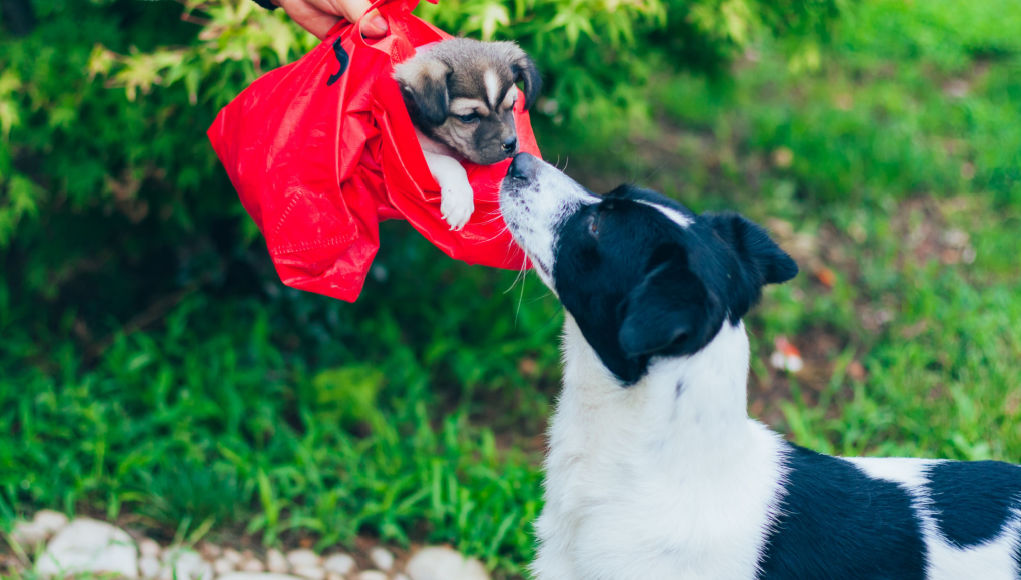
<point>593,224</point>
<point>469,118</point>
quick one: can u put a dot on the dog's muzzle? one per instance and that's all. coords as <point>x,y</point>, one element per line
<point>536,199</point>
<point>524,168</point>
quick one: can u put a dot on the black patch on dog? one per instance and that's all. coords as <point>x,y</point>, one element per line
<point>640,285</point>
<point>342,59</point>
<point>971,500</point>
<point>837,522</point>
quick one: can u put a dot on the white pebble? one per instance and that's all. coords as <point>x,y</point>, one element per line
<point>148,567</point>
<point>303,558</point>
<point>28,535</point>
<point>373,575</point>
<point>223,566</point>
<point>256,576</point>
<point>443,563</point>
<point>184,564</point>
<point>232,556</point>
<point>88,546</point>
<point>210,551</point>
<point>310,572</point>
<point>382,558</point>
<point>251,565</point>
<point>339,563</point>
<point>276,562</point>
<point>148,548</point>
<point>402,577</point>
<point>50,521</point>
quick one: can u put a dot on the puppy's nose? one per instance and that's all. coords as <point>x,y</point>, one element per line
<point>509,145</point>
<point>524,166</point>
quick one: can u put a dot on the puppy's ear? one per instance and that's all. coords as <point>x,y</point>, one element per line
<point>423,83</point>
<point>525,72</point>
<point>669,310</point>
<point>763,260</point>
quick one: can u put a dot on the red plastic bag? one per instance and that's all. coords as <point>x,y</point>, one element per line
<point>322,150</point>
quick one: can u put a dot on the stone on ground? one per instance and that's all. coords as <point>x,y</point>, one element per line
<point>185,564</point>
<point>382,558</point>
<point>276,562</point>
<point>339,563</point>
<point>257,576</point>
<point>442,563</point>
<point>303,558</point>
<point>29,535</point>
<point>89,546</point>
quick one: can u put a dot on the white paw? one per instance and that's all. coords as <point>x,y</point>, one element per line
<point>457,205</point>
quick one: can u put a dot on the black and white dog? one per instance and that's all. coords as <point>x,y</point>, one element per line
<point>656,472</point>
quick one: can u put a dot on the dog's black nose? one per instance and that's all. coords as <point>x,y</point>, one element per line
<point>524,166</point>
<point>510,144</point>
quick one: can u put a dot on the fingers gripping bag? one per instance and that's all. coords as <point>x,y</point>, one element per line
<point>323,149</point>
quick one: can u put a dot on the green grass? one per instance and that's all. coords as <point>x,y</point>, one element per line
<point>301,418</point>
<point>413,414</point>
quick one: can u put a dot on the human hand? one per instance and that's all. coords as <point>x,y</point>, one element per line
<point>319,16</point>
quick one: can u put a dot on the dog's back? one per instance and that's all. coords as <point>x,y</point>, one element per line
<point>895,518</point>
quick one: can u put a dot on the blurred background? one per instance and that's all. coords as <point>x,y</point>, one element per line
<point>155,372</point>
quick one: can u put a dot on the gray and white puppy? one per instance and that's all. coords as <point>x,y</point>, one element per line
<point>460,94</point>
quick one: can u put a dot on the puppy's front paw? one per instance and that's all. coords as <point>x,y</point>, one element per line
<point>457,205</point>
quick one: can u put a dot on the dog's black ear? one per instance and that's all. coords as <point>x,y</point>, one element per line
<point>762,259</point>
<point>670,309</point>
<point>525,72</point>
<point>759,261</point>
<point>423,84</point>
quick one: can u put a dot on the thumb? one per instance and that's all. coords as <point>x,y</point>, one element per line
<point>373,24</point>
<point>309,17</point>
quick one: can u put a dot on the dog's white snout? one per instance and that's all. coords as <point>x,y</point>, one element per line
<point>536,199</point>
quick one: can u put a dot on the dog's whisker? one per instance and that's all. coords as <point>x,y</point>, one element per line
<point>521,275</point>
<point>492,219</point>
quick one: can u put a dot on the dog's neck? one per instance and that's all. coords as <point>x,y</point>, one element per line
<point>671,465</point>
<point>699,399</point>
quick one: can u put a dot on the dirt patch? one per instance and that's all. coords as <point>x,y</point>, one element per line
<point>922,224</point>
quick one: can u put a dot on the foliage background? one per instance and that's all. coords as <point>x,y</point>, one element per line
<point>153,369</point>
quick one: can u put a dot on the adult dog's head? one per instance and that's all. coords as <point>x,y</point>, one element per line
<point>641,274</point>
<point>461,92</point>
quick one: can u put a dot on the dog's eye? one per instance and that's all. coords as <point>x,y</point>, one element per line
<point>469,118</point>
<point>593,224</point>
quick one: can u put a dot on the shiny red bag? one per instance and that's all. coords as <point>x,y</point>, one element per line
<point>323,149</point>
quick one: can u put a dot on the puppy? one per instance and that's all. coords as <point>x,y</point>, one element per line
<point>461,94</point>
<point>655,471</point>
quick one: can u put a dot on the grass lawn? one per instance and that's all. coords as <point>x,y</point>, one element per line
<point>887,161</point>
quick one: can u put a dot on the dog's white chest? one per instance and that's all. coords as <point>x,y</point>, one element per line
<point>637,488</point>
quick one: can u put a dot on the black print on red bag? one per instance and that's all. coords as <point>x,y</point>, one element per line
<point>342,59</point>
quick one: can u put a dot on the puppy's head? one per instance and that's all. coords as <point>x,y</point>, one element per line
<point>641,274</point>
<point>461,92</point>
